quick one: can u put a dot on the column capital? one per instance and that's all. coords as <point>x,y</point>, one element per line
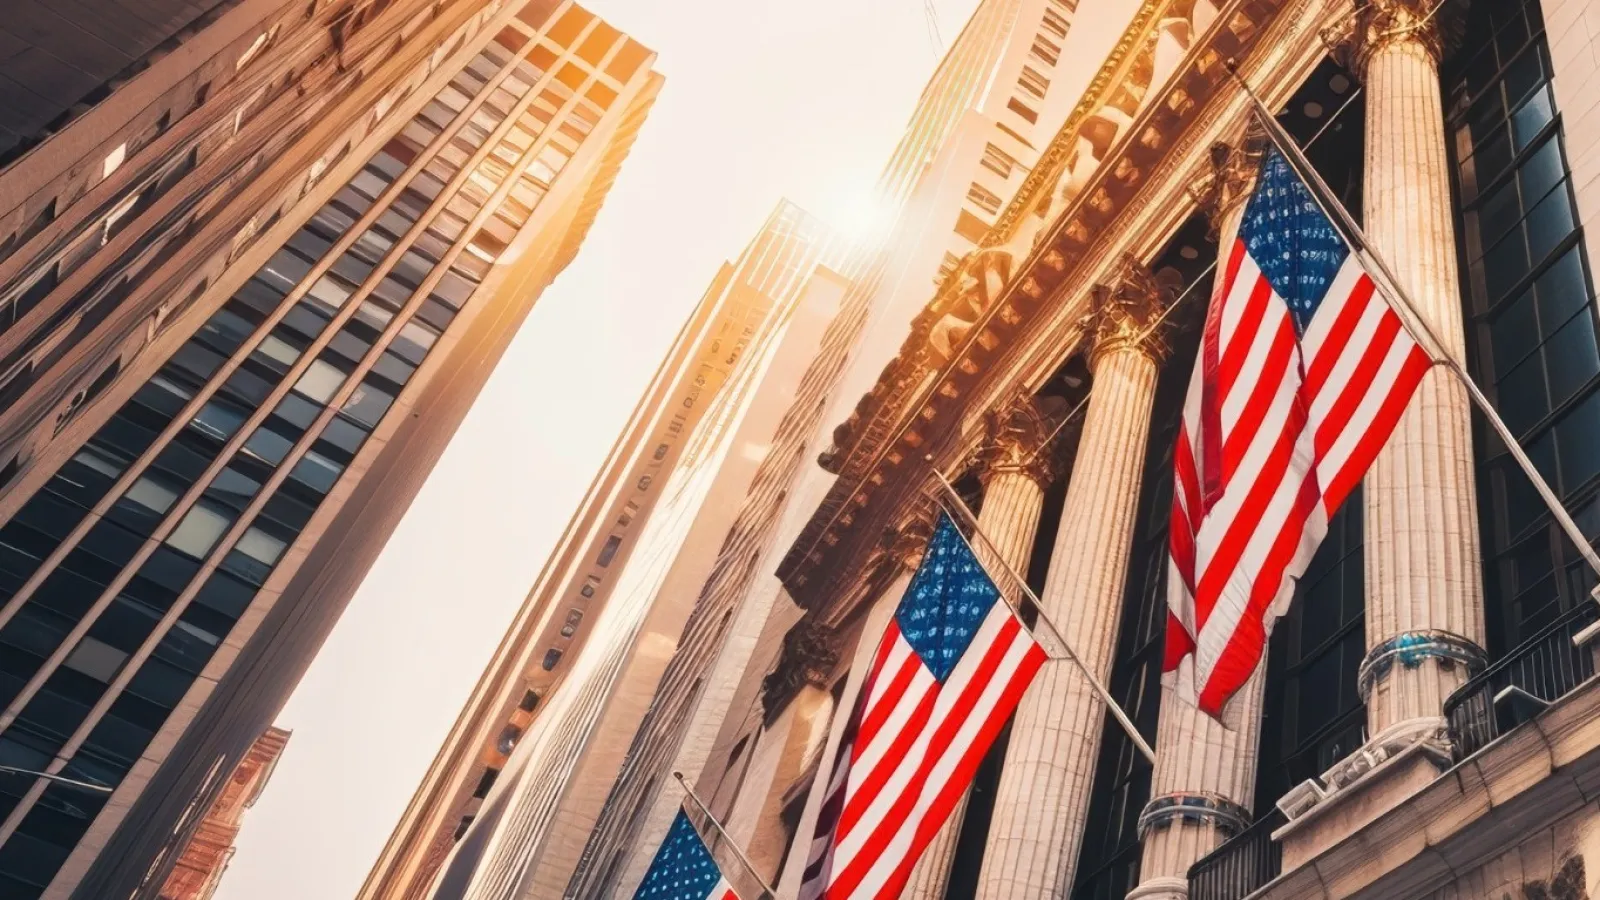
<point>904,544</point>
<point>1433,25</point>
<point>1224,183</point>
<point>1018,437</point>
<point>809,656</point>
<point>1123,310</point>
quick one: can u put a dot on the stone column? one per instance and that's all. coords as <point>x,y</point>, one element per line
<point>1015,467</point>
<point>903,551</point>
<point>1204,778</point>
<point>1043,795</point>
<point>1423,569</point>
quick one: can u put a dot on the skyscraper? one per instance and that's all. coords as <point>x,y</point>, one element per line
<point>250,289</point>
<point>594,770</point>
<point>600,618</point>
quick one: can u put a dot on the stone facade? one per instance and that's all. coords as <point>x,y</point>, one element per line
<point>204,858</point>
<point>1451,760</point>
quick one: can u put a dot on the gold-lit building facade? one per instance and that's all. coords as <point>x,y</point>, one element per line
<point>1423,723</point>
<point>591,637</point>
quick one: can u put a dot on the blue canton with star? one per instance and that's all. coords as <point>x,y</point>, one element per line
<point>948,599</point>
<point>1297,248</point>
<point>683,868</point>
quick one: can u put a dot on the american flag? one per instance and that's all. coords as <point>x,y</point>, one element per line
<point>1304,370</point>
<point>947,674</point>
<point>683,869</point>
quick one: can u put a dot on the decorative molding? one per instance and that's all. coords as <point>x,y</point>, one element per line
<point>1201,808</point>
<point>1225,183</point>
<point>1160,123</point>
<point>1125,313</point>
<point>1436,25</point>
<point>809,657</point>
<point>1411,649</point>
<point>1019,437</point>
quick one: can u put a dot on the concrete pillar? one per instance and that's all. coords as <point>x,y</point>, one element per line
<point>906,554</point>
<point>1015,466</point>
<point>1043,796</point>
<point>1204,778</point>
<point>1423,569</point>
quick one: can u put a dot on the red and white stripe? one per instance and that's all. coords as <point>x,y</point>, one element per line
<point>1276,433</point>
<point>722,891</point>
<point>910,753</point>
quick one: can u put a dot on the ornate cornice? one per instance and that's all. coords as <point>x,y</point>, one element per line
<point>1126,312</point>
<point>919,408</point>
<point>1434,25</point>
<point>956,306</point>
<point>1018,438</point>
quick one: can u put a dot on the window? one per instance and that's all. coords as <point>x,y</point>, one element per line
<point>316,472</point>
<point>200,529</point>
<point>998,161</point>
<point>1055,23</point>
<point>268,445</point>
<point>368,403</point>
<point>530,700</point>
<point>1046,50</point>
<point>1531,321</point>
<point>275,353</point>
<point>574,619</point>
<point>983,198</point>
<point>629,510</point>
<point>551,658</point>
<point>155,496</point>
<point>96,659</point>
<point>971,227</point>
<point>608,551</point>
<point>218,419</point>
<point>1033,83</point>
<point>320,381</point>
<point>590,585</point>
<point>485,783</point>
<point>1022,109</point>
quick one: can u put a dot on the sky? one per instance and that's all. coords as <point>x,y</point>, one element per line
<point>763,99</point>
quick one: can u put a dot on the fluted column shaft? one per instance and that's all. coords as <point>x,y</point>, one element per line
<point>860,662</point>
<point>1423,569</point>
<point>1043,796</point>
<point>1204,779</point>
<point>1012,500</point>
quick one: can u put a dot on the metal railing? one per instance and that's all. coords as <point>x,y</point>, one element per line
<point>1539,671</point>
<point>1241,865</point>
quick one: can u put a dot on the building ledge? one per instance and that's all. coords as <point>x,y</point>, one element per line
<point>1544,770</point>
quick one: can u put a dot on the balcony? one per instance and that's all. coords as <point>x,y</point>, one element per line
<point>1535,674</point>
<point>1518,687</point>
<point>1241,865</point>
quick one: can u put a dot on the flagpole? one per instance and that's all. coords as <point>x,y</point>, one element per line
<point>750,869</point>
<point>1415,322</point>
<point>1100,689</point>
